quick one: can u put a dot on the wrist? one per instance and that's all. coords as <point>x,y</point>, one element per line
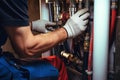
<point>30,23</point>
<point>63,33</point>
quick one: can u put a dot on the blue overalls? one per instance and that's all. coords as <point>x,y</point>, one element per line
<point>11,69</point>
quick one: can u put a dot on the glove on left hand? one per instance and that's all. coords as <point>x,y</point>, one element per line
<point>40,25</point>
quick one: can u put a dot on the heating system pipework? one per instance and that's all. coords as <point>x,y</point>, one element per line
<point>85,56</point>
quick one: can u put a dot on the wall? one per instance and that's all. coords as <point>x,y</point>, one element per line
<point>33,9</point>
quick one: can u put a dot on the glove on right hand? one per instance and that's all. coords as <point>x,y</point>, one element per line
<point>77,23</point>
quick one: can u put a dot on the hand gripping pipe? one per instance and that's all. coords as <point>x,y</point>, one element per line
<point>101,39</point>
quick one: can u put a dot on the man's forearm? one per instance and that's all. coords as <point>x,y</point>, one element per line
<point>44,42</point>
<point>27,44</point>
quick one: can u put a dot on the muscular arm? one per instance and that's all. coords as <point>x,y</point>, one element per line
<point>27,44</point>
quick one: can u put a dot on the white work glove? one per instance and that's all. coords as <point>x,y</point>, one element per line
<point>40,25</point>
<point>77,23</point>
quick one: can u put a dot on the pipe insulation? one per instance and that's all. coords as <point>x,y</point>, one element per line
<point>101,39</point>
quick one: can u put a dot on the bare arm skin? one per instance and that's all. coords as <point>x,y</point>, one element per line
<point>26,44</point>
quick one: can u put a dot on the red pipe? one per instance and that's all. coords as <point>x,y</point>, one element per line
<point>90,56</point>
<point>113,19</point>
